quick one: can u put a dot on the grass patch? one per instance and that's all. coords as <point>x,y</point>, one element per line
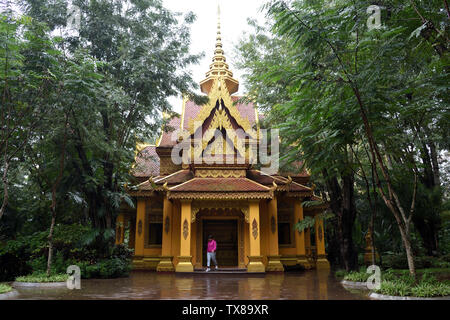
<point>4,288</point>
<point>406,289</point>
<point>357,276</point>
<point>340,273</point>
<point>42,278</point>
<point>395,282</point>
<point>400,283</point>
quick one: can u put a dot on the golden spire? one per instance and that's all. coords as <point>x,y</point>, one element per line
<point>219,50</point>
<point>219,68</point>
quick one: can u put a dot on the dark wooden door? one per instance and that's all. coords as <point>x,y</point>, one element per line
<point>225,233</point>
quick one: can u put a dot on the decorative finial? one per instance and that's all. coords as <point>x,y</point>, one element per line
<point>219,66</point>
<point>274,186</point>
<point>219,36</point>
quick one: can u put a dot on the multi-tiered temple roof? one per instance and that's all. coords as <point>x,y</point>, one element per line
<point>222,129</point>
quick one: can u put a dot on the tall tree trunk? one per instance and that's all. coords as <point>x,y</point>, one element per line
<point>427,223</point>
<point>435,163</point>
<point>428,233</point>
<point>50,238</point>
<point>342,204</point>
<point>392,202</point>
<point>53,205</point>
<point>348,220</point>
<point>5,188</point>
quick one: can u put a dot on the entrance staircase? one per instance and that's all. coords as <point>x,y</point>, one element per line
<point>221,271</point>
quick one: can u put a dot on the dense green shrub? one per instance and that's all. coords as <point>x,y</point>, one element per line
<point>430,290</point>
<point>12,265</point>
<point>398,261</point>
<point>4,288</point>
<point>340,273</point>
<point>395,288</point>
<point>422,289</point>
<point>400,283</point>
<point>28,254</point>
<point>42,277</point>
<point>357,276</point>
<point>108,268</point>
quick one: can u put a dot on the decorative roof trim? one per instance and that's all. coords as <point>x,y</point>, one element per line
<point>220,195</point>
<point>140,193</point>
<point>216,93</point>
<point>169,176</point>
<point>219,191</point>
<point>268,175</point>
<point>259,184</point>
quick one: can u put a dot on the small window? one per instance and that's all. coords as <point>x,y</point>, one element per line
<point>155,233</point>
<point>284,233</point>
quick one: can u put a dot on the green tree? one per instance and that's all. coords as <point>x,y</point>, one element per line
<point>144,51</point>
<point>379,89</point>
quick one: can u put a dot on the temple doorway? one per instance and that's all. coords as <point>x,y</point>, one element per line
<point>225,233</point>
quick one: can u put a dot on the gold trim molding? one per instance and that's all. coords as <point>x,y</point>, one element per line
<point>197,206</point>
<point>205,173</point>
<point>219,195</point>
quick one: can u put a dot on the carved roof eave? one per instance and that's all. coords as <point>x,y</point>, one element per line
<point>312,211</point>
<point>298,194</point>
<point>285,188</point>
<point>220,195</point>
<point>161,180</point>
<point>141,193</point>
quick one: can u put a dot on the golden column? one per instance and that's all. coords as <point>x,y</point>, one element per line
<point>139,237</point>
<point>185,258</point>
<point>255,259</point>
<point>274,263</point>
<point>120,228</point>
<point>322,262</point>
<point>308,248</point>
<point>300,236</point>
<point>166,264</point>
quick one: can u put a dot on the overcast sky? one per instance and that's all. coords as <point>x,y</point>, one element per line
<point>233,20</point>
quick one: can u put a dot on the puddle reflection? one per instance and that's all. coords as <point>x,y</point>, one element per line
<point>308,285</point>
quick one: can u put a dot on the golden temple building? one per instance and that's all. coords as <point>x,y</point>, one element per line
<point>217,189</point>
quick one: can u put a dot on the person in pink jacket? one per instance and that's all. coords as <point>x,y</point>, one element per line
<point>211,252</point>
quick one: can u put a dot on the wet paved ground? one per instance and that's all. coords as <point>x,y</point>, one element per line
<point>308,285</point>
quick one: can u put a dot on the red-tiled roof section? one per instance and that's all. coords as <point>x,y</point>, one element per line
<point>191,111</point>
<point>265,179</point>
<point>169,134</point>
<point>247,110</point>
<point>220,185</point>
<point>176,178</point>
<point>296,187</point>
<point>147,163</point>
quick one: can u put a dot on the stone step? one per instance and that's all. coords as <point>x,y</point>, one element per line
<point>222,270</point>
